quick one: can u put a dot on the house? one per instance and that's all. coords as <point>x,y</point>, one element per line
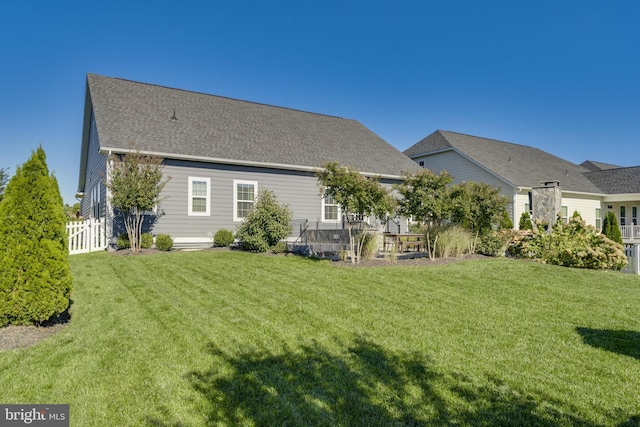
<point>525,174</point>
<point>219,152</point>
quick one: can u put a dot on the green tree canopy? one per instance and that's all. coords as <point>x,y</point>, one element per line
<point>356,195</point>
<point>478,206</point>
<point>425,196</point>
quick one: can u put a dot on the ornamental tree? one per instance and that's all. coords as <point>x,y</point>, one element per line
<point>135,183</point>
<point>425,198</point>
<point>35,279</point>
<point>357,196</point>
<point>478,207</point>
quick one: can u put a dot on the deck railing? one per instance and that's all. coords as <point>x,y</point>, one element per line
<point>630,232</point>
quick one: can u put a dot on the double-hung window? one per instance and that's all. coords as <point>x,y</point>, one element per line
<point>623,215</point>
<point>330,209</point>
<point>598,219</point>
<point>199,196</point>
<point>244,197</point>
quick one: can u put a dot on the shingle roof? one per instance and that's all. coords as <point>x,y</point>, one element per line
<point>182,123</point>
<point>597,166</point>
<point>520,165</point>
<point>617,181</point>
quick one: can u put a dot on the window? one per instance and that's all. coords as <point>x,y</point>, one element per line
<point>421,163</point>
<point>95,202</point>
<point>634,215</point>
<point>199,189</point>
<point>598,219</point>
<point>244,195</point>
<point>623,215</point>
<point>330,209</point>
<point>527,208</point>
<point>565,214</point>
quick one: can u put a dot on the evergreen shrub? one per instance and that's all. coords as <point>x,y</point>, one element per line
<point>146,240</point>
<point>123,241</point>
<point>164,242</point>
<point>266,224</point>
<point>35,279</point>
<point>223,238</point>
<point>525,222</point>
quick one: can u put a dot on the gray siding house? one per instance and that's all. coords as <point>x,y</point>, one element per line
<point>520,171</point>
<point>219,152</point>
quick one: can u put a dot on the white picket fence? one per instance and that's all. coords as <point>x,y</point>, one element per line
<point>633,256</point>
<point>87,236</point>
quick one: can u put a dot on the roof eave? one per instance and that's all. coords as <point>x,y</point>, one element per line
<point>204,159</point>
<point>621,197</point>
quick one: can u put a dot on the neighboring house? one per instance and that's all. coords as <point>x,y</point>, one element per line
<point>219,152</point>
<point>521,172</point>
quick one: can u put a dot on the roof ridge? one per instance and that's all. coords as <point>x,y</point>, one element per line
<point>220,96</point>
<point>495,140</point>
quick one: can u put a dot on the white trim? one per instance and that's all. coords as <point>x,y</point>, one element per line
<point>192,240</point>
<point>235,196</point>
<point>207,211</point>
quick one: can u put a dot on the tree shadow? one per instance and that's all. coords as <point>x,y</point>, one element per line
<point>626,343</point>
<point>361,384</point>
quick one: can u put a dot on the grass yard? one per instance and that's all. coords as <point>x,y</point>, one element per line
<point>226,338</point>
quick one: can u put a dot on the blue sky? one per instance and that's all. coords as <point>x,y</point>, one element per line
<point>562,76</point>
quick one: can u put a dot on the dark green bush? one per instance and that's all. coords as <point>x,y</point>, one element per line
<point>223,238</point>
<point>610,227</point>
<point>123,241</point>
<point>525,222</point>
<point>146,240</point>
<point>164,242</point>
<point>35,279</point>
<point>266,224</point>
<point>280,248</point>
<point>494,243</point>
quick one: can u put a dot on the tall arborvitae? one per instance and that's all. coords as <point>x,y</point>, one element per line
<point>610,227</point>
<point>35,280</point>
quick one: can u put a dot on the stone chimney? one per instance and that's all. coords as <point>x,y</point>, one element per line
<point>546,203</point>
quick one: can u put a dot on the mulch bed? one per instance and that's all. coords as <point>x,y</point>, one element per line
<point>12,337</point>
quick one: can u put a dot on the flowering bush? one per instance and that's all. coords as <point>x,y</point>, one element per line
<point>574,244</point>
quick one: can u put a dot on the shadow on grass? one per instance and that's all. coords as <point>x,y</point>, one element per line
<point>626,343</point>
<point>362,385</point>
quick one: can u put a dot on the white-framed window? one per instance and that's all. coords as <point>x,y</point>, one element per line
<point>565,214</point>
<point>634,215</point>
<point>199,196</point>
<point>330,209</point>
<point>598,219</point>
<point>623,215</point>
<point>244,197</point>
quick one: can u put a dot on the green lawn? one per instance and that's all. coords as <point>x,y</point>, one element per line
<point>227,338</point>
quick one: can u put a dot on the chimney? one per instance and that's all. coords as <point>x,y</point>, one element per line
<point>546,203</point>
